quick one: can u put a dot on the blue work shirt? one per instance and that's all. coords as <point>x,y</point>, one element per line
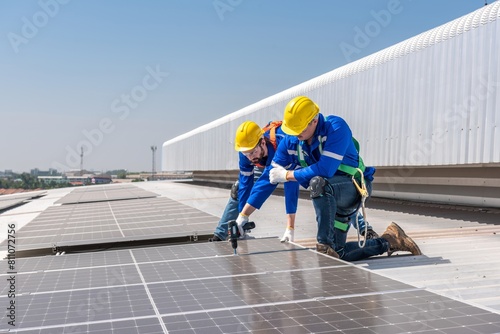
<point>257,192</point>
<point>336,147</point>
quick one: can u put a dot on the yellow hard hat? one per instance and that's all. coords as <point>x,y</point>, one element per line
<point>248,136</point>
<point>299,112</point>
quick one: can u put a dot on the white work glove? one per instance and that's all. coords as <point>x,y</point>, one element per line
<point>241,220</point>
<point>288,236</point>
<point>277,175</point>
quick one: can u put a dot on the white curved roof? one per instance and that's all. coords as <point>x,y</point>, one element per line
<point>415,44</point>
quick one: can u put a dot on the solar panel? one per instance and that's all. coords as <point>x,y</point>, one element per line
<point>114,221</point>
<point>202,288</point>
<point>9,201</point>
<point>5,204</point>
<point>102,193</point>
<point>23,195</point>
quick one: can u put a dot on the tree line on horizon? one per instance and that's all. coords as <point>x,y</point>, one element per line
<point>28,181</point>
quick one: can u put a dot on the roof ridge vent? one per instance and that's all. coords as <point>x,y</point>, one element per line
<point>419,42</point>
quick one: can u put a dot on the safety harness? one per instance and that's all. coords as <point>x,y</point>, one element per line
<point>358,179</point>
<point>271,127</point>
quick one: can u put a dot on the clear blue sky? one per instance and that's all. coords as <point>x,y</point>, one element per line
<point>118,76</point>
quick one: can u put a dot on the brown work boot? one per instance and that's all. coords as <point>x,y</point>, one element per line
<point>325,249</point>
<point>399,241</point>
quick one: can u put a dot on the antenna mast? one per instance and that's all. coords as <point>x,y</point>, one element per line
<point>153,149</point>
<point>81,161</point>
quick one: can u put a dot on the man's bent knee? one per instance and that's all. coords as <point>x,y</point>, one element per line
<point>234,190</point>
<point>317,186</point>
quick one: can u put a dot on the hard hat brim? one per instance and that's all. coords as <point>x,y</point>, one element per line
<point>289,131</point>
<point>243,149</point>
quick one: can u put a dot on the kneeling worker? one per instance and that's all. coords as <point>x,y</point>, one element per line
<point>328,162</point>
<point>256,149</point>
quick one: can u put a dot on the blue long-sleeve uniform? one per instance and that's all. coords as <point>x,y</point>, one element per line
<point>332,145</point>
<point>256,193</point>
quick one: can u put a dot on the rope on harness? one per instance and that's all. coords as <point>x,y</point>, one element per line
<point>361,187</point>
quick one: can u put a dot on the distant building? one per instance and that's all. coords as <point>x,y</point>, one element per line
<point>78,180</point>
<point>61,179</point>
<point>50,172</point>
<point>101,179</point>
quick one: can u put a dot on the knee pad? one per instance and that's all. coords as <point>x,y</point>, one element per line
<point>234,190</point>
<point>317,186</point>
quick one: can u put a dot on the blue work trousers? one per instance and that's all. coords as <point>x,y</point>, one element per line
<point>231,212</point>
<point>340,199</point>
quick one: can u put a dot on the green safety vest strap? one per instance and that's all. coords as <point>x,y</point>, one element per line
<point>352,170</point>
<point>343,168</point>
<point>356,143</point>
<point>341,226</point>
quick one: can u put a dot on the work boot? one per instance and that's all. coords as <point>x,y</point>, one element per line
<point>399,241</point>
<point>215,238</point>
<point>370,233</point>
<point>325,249</point>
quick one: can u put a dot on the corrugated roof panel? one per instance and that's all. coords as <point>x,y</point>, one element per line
<point>411,104</point>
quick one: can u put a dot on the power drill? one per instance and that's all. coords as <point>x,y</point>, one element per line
<point>234,232</point>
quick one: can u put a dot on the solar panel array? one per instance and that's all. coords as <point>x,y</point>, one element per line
<point>114,221</point>
<point>202,288</point>
<point>97,193</point>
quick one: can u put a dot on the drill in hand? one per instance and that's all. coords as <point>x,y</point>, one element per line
<point>234,232</point>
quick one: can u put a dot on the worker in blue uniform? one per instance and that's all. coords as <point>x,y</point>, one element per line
<point>319,152</point>
<point>256,147</point>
